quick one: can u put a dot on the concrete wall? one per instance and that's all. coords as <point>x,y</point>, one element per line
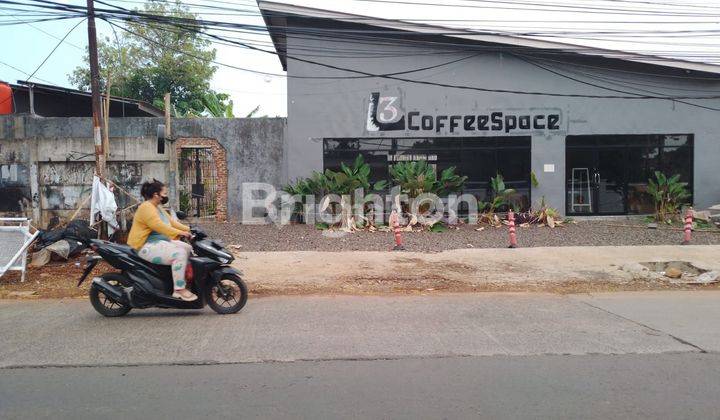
<point>254,149</point>
<point>324,108</point>
<point>46,164</point>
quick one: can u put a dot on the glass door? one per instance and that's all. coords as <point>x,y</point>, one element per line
<point>596,181</point>
<point>609,181</point>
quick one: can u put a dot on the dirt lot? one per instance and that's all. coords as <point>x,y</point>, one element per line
<point>571,270</point>
<point>583,233</point>
<point>55,280</point>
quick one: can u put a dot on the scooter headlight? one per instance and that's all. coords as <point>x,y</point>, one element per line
<point>224,258</point>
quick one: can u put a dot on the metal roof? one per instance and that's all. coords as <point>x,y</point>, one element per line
<point>141,106</point>
<point>275,16</point>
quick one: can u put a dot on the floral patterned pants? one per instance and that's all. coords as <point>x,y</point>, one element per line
<point>172,253</point>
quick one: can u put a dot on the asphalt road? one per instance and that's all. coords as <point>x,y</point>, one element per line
<point>624,355</point>
<point>659,386</point>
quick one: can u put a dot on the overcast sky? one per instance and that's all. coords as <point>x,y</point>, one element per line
<point>26,46</point>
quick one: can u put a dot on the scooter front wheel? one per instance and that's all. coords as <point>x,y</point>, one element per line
<point>102,303</point>
<point>228,296</point>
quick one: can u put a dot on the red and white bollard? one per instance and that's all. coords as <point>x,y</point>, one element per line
<point>688,226</point>
<point>395,224</point>
<point>511,229</point>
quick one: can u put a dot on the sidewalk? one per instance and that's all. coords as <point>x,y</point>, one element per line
<point>563,269</point>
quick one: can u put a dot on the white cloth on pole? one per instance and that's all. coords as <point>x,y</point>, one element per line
<point>103,201</point>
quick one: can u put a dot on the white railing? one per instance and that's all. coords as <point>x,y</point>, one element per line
<point>15,239</point>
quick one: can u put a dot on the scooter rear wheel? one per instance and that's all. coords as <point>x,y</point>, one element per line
<point>102,303</point>
<point>228,296</point>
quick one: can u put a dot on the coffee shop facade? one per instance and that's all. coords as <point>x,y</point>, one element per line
<point>580,128</point>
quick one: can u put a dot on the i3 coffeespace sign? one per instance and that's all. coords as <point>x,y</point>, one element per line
<point>385,113</point>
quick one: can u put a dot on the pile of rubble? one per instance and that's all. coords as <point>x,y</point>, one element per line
<point>62,243</point>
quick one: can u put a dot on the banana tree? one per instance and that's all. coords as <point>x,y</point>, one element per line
<point>342,183</point>
<point>500,197</point>
<point>668,194</point>
<point>415,178</point>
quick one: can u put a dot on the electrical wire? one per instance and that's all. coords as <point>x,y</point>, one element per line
<point>46,32</point>
<point>534,6</point>
<point>204,23</point>
<point>688,56</point>
<point>448,32</point>
<point>476,88</point>
<point>184,24</point>
<point>296,77</point>
<point>674,99</point>
<point>445,43</point>
<point>55,48</point>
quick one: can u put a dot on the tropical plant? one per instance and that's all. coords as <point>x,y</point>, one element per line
<point>500,197</point>
<point>669,194</point>
<point>416,178</point>
<point>533,179</point>
<point>359,176</point>
<point>303,187</point>
<point>449,182</point>
<point>545,215</point>
<point>343,182</point>
<point>185,201</point>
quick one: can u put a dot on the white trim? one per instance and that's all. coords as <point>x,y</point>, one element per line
<point>484,36</point>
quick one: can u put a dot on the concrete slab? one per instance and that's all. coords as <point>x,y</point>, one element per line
<point>590,387</point>
<point>688,315</point>
<point>69,332</point>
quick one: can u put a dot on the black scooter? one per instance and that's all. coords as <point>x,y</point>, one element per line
<point>141,284</point>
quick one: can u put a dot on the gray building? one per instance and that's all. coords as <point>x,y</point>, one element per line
<point>590,125</point>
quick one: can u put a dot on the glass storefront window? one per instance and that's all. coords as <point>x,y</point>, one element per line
<point>478,158</point>
<point>609,174</point>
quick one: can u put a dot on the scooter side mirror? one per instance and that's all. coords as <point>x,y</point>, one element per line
<point>180,215</point>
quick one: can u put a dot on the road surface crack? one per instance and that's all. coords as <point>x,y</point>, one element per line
<point>678,339</point>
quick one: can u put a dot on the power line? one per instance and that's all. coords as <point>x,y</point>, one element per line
<point>204,24</point>
<point>156,18</point>
<point>449,31</point>
<point>627,81</point>
<point>224,25</point>
<point>174,22</point>
<point>675,99</point>
<point>282,75</point>
<point>374,40</point>
<point>596,7</point>
<point>47,33</point>
<point>475,88</point>
<point>24,72</point>
<point>539,7</point>
<point>56,47</point>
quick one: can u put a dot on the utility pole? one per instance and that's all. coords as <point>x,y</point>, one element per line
<point>172,156</point>
<point>95,87</point>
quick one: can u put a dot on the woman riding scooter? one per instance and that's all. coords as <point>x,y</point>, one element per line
<point>154,235</point>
